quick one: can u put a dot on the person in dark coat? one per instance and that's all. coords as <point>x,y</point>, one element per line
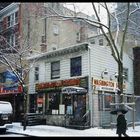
<point>121,125</point>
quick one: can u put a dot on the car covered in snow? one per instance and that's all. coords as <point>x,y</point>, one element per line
<point>6,116</point>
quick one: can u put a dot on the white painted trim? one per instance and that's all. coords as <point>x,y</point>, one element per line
<point>8,7</point>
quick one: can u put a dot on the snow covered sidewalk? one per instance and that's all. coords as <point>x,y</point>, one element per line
<point>55,131</point>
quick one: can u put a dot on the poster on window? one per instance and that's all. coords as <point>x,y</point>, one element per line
<point>69,110</point>
<point>61,109</point>
<point>39,105</point>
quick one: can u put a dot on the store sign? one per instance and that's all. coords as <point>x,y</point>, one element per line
<point>11,81</point>
<point>105,85</point>
<point>61,83</point>
<point>11,91</point>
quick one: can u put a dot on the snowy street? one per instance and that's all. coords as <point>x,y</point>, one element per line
<point>8,134</point>
<point>53,131</point>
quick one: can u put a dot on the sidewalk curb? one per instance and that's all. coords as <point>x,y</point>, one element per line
<point>21,134</point>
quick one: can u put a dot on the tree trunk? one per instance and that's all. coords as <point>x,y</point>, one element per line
<point>120,82</point>
<point>25,108</point>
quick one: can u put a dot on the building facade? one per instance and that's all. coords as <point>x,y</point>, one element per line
<point>25,25</point>
<point>10,30</point>
<point>87,65</point>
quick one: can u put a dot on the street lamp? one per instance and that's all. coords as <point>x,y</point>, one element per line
<point>105,72</point>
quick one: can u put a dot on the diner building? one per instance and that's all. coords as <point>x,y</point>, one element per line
<point>77,81</point>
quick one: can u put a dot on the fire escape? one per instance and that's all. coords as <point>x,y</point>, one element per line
<point>9,31</point>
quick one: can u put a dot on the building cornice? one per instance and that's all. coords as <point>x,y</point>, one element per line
<point>61,52</point>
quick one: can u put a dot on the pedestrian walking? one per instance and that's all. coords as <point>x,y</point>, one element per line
<point>121,124</point>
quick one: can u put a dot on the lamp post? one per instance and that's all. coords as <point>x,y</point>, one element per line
<point>90,88</point>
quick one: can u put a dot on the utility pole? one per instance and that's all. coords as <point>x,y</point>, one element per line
<point>90,87</point>
<point>133,112</point>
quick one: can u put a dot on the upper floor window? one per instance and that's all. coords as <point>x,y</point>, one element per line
<point>101,42</point>
<point>36,73</point>
<point>76,67</point>
<point>2,79</point>
<point>12,19</point>
<point>1,26</point>
<point>16,40</point>
<point>78,36</point>
<point>55,70</point>
<point>11,40</point>
<point>92,41</point>
<point>16,17</point>
<point>55,29</point>
<point>125,74</point>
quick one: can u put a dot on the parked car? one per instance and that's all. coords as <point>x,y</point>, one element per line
<point>6,116</point>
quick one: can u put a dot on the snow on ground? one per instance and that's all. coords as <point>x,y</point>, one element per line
<point>52,131</point>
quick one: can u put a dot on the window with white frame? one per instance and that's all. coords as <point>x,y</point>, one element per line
<point>76,66</point>
<point>92,41</point>
<point>125,74</point>
<point>12,19</point>
<point>16,17</point>
<point>16,40</point>
<point>11,40</point>
<point>101,42</point>
<point>55,29</point>
<point>55,70</point>
<point>78,36</point>
<point>36,73</point>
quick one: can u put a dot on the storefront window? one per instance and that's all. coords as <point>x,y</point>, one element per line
<point>105,100</point>
<point>57,103</point>
<point>75,104</point>
<point>67,101</point>
<point>54,101</point>
<point>40,103</point>
<point>100,101</point>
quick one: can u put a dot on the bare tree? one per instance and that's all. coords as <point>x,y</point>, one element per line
<point>14,59</point>
<point>118,40</point>
<point>115,41</point>
<point>13,56</point>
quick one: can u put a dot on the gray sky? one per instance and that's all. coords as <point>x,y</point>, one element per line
<point>88,9</point>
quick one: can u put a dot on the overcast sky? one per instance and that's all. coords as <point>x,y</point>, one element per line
<point>88,9</point>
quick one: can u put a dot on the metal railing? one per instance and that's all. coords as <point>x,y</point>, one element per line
<point>34,119</point>
<point>79,123</point>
